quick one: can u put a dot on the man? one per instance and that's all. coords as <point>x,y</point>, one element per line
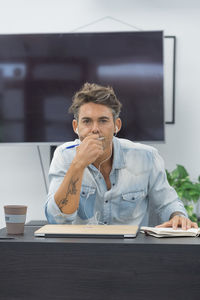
<point>102,179</point>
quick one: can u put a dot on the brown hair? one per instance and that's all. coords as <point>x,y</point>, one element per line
<point>91,92</point>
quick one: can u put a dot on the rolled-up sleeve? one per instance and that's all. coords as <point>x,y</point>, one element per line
<point>162,196</point>
<point>57,172</point>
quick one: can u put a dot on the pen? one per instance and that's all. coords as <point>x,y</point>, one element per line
<point>72,146</point>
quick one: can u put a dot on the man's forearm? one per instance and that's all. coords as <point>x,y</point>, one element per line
<point>68,194</point>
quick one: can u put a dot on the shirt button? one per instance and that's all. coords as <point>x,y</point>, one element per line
<point>105,222</point>
<point>113,184</point>
<point>106,201</point>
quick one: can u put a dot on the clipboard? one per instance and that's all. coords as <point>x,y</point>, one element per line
<point>87,231</point>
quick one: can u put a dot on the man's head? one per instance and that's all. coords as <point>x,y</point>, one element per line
<point>97,94</point>
<point>96,110</point>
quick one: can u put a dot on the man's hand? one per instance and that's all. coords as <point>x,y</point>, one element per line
<point>179,221</point>
<point>89,150</point>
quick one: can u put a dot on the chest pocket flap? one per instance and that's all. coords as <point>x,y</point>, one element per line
<point>128,203</point>
<point>86,191</point>
<point>133,196</point>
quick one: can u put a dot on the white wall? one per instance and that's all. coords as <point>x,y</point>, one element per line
<point>20,173</point>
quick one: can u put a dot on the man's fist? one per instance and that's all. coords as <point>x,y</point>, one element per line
<point>89,150</point>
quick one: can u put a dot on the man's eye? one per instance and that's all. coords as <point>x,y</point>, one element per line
<point>103,120</point>
<point>86,121</point>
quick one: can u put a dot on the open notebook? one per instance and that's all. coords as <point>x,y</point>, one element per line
<point>94,231</point>
<point>170,232</point>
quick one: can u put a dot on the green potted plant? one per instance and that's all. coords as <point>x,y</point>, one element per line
<point>187,190</point>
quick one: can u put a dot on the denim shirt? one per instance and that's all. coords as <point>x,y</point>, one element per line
<point>138,180</point>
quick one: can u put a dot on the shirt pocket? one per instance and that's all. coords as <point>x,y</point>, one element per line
<point>87,202</point>
<point>128,203</point>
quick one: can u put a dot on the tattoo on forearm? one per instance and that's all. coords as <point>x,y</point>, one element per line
<point>72,190</point>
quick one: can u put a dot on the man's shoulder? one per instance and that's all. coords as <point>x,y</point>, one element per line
<point>139,147</point>
<point>137,157</point>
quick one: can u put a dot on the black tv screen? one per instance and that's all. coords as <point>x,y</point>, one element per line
<point>39,74</point>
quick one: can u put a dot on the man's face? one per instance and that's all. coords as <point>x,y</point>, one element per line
<point>96,119</point>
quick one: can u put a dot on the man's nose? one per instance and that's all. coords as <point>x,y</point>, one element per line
<point>95,128</point>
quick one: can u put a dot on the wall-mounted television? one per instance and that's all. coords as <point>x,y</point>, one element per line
<point>39,74</point>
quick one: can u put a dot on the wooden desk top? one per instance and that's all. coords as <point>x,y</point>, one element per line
<point>140,239</point>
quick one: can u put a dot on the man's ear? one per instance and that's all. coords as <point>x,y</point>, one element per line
<point>118,125</point>
<point>75,126</point>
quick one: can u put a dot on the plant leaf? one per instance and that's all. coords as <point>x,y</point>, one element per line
<point>187,190</point>
<point>182,171</point>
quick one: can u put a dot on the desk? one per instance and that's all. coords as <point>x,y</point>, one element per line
<point>99,269</point>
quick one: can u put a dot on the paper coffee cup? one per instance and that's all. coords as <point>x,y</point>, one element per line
<point>15,217</point>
